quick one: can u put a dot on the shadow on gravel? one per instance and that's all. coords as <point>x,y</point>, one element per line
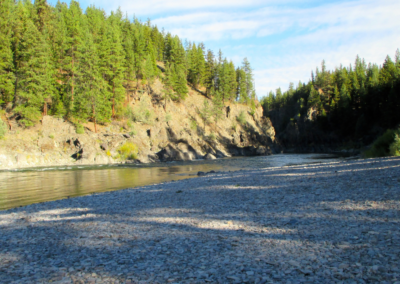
<point>209,233</point>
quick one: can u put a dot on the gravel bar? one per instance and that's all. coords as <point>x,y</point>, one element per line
<point>321,223</point>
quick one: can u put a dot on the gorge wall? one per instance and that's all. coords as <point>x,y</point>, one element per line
<point>172,132</point>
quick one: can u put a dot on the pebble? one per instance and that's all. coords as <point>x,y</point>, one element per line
<point>336,222</point>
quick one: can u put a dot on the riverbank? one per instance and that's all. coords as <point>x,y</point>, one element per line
<point>317,223</point>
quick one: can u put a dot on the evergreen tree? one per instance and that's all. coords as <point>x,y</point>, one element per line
<point>35,88</point>
<point>74,39</point>
<point>42,14</point>
<point>91,101</point>
<point>205,113</point>
<point>209,72</point>
<point>217,107</point>
<point>241,85</point>
<point>6,55</point>
<point>114,73</point>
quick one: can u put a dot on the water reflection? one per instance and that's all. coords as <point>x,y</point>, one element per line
<point>19,188</point>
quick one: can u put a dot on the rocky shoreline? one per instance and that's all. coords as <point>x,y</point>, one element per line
<point>321,223</point>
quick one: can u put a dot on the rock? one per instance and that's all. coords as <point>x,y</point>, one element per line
<point>210,157</point>
<point>262,150</point>
<point>201,174</point>
<point>104,146</point>
<point>127,136</point>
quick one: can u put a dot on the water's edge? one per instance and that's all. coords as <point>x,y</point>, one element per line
<point>34,185</point>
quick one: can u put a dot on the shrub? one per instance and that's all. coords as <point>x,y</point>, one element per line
<point>394,148</point>
<point>142,112</point>
<point>381,146</point>
<point>3,128</point>
<point>168,117</point>
<point>193,124</point>
<point>241,118</point>
<point>128,151</point>
<point>212,137</point>
<point>51,136</point>
<point>79,129</point>
<point>233,127</point>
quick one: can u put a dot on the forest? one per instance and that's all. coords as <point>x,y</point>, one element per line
<point>352,105</point>
<point>83,66</point>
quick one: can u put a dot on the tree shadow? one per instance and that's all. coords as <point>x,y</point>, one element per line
<point>196,233</point>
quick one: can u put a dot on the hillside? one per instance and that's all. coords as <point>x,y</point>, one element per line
<point>345,108</point>
<point>90,87</point>
<point>175,134</point>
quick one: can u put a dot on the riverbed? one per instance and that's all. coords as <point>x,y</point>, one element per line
<point>332,222</point>
<point>35,185</point>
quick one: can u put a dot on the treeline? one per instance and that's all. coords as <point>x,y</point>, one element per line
<point>353,102</point>
<point>65,62</point>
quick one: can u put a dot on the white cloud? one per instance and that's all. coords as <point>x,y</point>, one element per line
<point>285,44</point>
<point>153,7</point>
<point>283,40</point>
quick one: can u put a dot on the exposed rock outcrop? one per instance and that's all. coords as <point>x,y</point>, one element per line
<point>178,134</point>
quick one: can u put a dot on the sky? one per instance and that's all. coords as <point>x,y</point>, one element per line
<point>283,39</point>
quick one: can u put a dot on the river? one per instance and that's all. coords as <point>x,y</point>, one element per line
<point>28,186</point>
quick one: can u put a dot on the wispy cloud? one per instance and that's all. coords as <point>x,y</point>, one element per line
<point>284,40</point>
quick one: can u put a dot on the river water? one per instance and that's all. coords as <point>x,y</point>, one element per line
<point>24,187</point>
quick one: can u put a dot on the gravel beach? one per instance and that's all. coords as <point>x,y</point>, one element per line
<point>322,223</point>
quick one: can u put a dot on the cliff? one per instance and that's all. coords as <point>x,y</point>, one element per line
<point>172,132</point>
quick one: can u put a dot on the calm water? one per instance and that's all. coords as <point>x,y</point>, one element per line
<point>24,187</point>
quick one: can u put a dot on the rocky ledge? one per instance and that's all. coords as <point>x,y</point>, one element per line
<point>323,223</point>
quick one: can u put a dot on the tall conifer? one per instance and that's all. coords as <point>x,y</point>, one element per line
<point>35,74</point>
<point>6,55</point>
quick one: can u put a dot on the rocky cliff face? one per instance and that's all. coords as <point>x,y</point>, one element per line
<point>171,132</point>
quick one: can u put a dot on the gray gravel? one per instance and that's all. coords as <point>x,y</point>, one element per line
<point>322,223</point>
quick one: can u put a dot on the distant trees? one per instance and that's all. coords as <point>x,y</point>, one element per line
<point>351,101</point>
<point>78,64</point>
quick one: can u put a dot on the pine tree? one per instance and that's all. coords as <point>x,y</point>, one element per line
<point>205,113</point>
<point>114,74</point>
<point>42,14</point>
<point>149,72</point>
<point>129,52</point>
<point>34,88</point>
<point>241,85</point>
<point>6,56</point>
<point>209,72</point>
<point>217,107</point>
<point>74,40</point>
<point>91,101</point>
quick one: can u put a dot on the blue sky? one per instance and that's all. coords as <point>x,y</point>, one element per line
<point>283,40</point>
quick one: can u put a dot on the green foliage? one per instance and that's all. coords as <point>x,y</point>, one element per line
<point>193,124</point>
<point>233,127</point>
<point>241,118</point>
<point>350,102</point>
<point>205,112</point>
<point>381,146</point>
<point>245,83</point>
<point>7,77</point>
<point>394,148</point>
<point>217,107</point>
<point>128,151</point>
<point>80,65</point>
<point>142,112</point>
<point>212,137</point>
<point>34,76</point>
<point>79,129</point>
<point>3,129</point>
